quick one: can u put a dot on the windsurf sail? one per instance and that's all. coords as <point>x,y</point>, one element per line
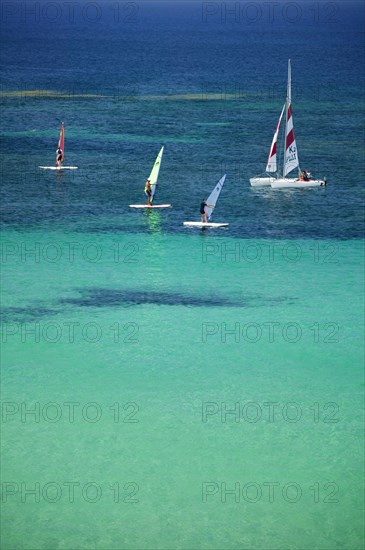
<point>153,177</point>
<point>61,143</point>
<point>271,161</point>
<point>213,197</point>
<point>291,160</point>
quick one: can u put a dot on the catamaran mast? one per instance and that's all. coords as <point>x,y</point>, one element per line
<point>287,103</point>
<point>291,160</point>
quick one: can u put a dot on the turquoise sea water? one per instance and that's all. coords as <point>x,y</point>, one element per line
<point>190,389</point>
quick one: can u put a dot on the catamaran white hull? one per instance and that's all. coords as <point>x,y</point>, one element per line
<point>150,206</point>
<point>294,183</point>
<point>58,167</point>
<point>206,224</point>
<point>261,182</point>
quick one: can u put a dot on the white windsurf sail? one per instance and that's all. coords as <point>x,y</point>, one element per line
<point>271,165</point>
<point>291,160</point>
<point>153,177</point>
<point>213,197</point>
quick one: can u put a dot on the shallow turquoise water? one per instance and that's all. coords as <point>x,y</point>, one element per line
<point>173,371</point>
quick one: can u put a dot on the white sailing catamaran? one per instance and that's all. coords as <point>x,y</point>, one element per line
<point>291,160</point>
<point>152,179</point>
<point>60,154</point>
<point>210,205</point>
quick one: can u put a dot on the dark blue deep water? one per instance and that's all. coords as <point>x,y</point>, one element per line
<point>207,82</point>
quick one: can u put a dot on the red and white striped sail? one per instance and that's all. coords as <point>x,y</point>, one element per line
<point>61,141</point>
<point>291,160</point>
<point>271,165</point>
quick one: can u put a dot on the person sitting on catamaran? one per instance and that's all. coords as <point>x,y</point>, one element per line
<point>148,192</point>
<point>59,158</point>
<point>306,175</point>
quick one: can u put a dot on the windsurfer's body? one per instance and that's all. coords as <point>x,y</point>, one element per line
<point>59,157</point>
<point>148,192</point>
<point>203,213</point>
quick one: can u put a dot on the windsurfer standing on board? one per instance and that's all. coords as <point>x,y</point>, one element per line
<point>148,192</point>
<point>203,213</point>
<point>59,158</point>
